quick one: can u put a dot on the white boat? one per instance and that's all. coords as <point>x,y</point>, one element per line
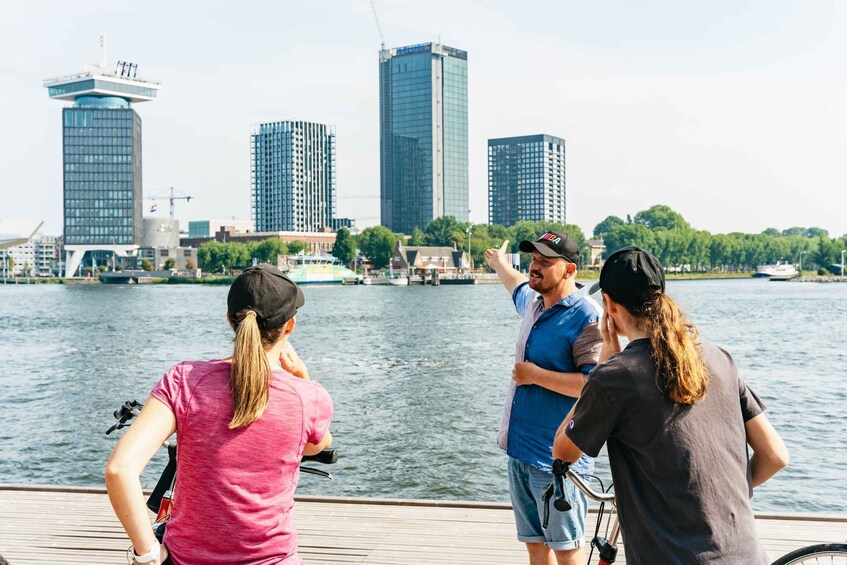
<point>778,272</point>
<point>320,269</point>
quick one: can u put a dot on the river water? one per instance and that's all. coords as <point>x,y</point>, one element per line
<point>418,376</point>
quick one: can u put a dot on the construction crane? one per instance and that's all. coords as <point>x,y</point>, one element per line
<point>171,197</point>
<point>378,26</point>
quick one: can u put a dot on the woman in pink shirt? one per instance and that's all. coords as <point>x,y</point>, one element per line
<point>243,425</point>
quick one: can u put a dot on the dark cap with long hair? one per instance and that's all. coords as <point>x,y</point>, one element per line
<point>631,276</point>
<point>268,292</point>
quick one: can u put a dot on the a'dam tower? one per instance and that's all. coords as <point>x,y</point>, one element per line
<point>101,148</point>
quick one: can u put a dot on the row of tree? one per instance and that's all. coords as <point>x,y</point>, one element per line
<point>217,257</point>
<point>667,235</point>
<point>377,243</point>
<point>659,229</point>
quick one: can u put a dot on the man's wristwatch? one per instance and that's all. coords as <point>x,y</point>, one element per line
<point>150,556</point>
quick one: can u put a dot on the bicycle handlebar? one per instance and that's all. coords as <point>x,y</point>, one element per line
<point>327,456</point>
<point>562,469</point>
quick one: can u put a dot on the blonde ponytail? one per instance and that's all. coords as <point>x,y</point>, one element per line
<point>681,371</point>
<point>250,374</point>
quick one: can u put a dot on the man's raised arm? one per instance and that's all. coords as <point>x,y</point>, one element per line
<point>507,274</point>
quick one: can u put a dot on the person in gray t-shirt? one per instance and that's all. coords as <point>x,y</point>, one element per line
<point>677,420</point>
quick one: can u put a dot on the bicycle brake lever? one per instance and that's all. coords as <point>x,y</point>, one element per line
<point>318,472</point>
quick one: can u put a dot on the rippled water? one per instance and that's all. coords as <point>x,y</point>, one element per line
<point>417,374</point>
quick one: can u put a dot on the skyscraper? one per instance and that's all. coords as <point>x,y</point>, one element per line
<point>292,166</point>
<point>423,115</point>
<point>101,138</point>
<point>526,179</point>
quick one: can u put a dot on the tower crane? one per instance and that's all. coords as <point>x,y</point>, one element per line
<point>378,26</point>
<point>171,197</point>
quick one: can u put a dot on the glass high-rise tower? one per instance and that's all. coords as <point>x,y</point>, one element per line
<point>423,115</point>
<point>292,167</point>
<point>101,140</point>
<point>526,179</point>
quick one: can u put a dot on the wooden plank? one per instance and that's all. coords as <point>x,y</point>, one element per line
<point>77,526</point>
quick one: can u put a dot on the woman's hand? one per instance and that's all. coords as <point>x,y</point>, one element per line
<point>292,363</point>
<point>611,342</point>
<point>163,556</point>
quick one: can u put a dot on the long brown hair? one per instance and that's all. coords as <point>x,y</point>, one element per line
<point>680,367</point>
<point>250,376</point>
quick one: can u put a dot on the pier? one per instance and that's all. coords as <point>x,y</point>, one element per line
<point>77,526</point>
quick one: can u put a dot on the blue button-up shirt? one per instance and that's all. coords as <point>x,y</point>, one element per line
<point>547,338</point>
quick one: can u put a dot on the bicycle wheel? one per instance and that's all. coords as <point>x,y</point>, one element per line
<point>821,554</point>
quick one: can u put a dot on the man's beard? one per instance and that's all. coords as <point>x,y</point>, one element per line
<point>541,285</point>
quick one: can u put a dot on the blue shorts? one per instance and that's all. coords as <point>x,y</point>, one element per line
<point>565,530</point>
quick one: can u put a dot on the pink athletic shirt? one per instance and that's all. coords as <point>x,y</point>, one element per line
<point>235,488</point>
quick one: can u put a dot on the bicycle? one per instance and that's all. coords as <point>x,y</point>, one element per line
<point>161,499</point>
<point>607,547</point>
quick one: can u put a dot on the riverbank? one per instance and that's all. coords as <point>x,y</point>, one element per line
<point>585,275</point>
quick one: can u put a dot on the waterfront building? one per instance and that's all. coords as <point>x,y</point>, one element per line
<point>208,228</point>
<point>596,248</point>
<point>161,242</point>
<point>292,165</point>
<point>423,116</point>
<point>316,242</point>
<point>101,140</point>
<point>36,257</point>
<point>526,179</point>
<point>443,259</point>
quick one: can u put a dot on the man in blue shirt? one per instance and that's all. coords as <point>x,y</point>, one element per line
<point>558,344</point>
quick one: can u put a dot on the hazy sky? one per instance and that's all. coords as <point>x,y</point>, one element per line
<point>733,113</point>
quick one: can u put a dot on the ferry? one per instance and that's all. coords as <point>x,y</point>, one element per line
<point>778,272</point>
<point>320,269</point>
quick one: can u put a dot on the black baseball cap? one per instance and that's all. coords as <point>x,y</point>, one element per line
<point>630,275</point>
<point>553,244</point>
<point>267,291</point>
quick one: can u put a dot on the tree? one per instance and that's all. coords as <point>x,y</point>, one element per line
<point>817,232</point>
<point>211,256</point>
<point>345,246</point>
<point>661,217</point>
<point>295,247</point>
<point>377,243</point>
<point>146,265</point>
<point>606,225</point>
<point>441,231</point>
<point>189,264</point>
<point>170,262</point>
<point>269,250</point>
<point>771,232</point>
<point>795,231</point>
<point>418,237</point>
<point>629,234</point>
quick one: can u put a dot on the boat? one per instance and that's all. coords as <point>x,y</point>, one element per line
<point>779,272</point>
<point>321,269</point>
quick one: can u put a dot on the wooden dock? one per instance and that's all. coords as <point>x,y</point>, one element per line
<point>76,526</point>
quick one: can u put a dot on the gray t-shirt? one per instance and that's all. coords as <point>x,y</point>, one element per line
<point>681,473</point>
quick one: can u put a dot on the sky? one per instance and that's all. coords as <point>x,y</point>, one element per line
<point>731,112</point>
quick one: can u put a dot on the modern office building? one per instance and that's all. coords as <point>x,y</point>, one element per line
<point>208,228</point>
<point>101,134</point>
<point>292,165</point>
<point>423,115</point>
<point>526,179</point>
